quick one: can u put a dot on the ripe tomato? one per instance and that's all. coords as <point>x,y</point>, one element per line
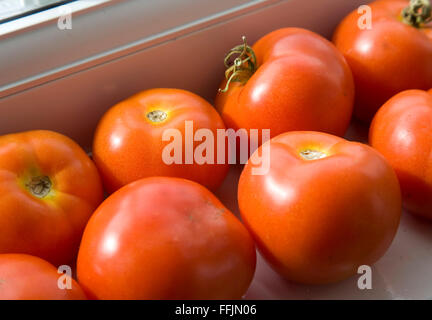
<point>325,206</point>
<point>298,81</point>
<point>25,277</point>
<point>129,145</point>
<point>165,238</point>
<point>49,188</point>
<point>391,57</point>
<point>402,131</point>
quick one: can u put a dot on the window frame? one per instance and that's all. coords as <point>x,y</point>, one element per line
<point>23,39</point>
<point>33,10</point>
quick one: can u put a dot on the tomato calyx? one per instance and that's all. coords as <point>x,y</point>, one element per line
<point>418,13</point>
<point>156,116</point>
<point>39,186</point>
<point>310,154</point>
<point>242,67</point>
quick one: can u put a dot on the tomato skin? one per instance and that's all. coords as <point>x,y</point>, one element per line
<point>50,227</point>
<point>317,221</point>
<point>402,131</point>
<point>389,58</point>
<point>165,238</point>
<point>25,277</point>
<point>302,83</point>
<point>128,147</point>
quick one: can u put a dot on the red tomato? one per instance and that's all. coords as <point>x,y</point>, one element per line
<point>402,132</point>
<point>391,57</point>
<point>49,188</point>
<point>25,277</point>
<point>165,238</point>
<point>325,207</point>
<point>129,145</point>
<point>298,81</point>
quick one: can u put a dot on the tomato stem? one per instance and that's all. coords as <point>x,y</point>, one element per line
<point>39,187</point>
<point>309,154</point>
<point>156,116</point>
<point>418,13</point>
<point>242,68</point>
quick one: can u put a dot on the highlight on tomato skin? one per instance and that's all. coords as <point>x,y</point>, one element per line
<point>325,207</point>
<point>402,132</point>
<point>165,238</point>
<point>25,277</point>
<point>290,79</point>
<point>391,56</point>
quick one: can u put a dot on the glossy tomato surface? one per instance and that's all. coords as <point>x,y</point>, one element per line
<point>25,277</point>
<point>302,83</point>
<point>325,207</point>
<point>131,138</point>
<point>165,238</point>
<point>390,57</point>
<point>49,187</point>
<point>402,132</point>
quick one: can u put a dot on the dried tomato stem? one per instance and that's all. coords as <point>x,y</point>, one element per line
<point>39,187</point>
<point>243,66</point>
<point>157,116</point>
<point>309,154</point>
<point>418,13</point>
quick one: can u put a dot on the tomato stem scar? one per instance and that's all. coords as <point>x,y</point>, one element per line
<point>418,13</point>
<point>157,116</point>
<point>309,154</point>
<point>40,186</point>
<point>242,68</point>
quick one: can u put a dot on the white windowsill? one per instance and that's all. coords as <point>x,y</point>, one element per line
<point>32,59</point>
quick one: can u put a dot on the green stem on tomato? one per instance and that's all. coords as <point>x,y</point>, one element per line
<point>243,66</point>
<point>418,13</point>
